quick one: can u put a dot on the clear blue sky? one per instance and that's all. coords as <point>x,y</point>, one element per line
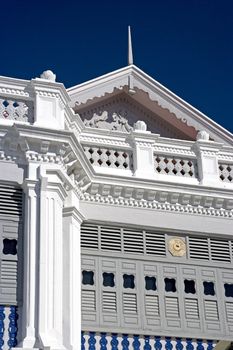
<point>186,45</point>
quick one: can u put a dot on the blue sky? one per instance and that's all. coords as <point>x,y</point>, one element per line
<point>187,45</point>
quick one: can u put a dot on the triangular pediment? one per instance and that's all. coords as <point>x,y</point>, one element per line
<point>117,100</point>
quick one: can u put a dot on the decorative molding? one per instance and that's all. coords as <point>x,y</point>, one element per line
<point>142,203</point>
<point>95,140</point>
<point>174,150</point>
<point>14,92</point>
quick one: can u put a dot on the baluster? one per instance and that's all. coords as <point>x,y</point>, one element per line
<point>2,327</point>
<point>12,330</point>
<point>83,340</point>
<point>136,342</point>
<point>147,345</point>
<point>103,341</point>
<point>92,341</point>
<point>179,345</point>
<point>125,342</point>
<point>114,342</point>
<point>210,345</point>
<point>200,345</point>
<point>158,345</point>
<point>168,345</point>
<point>189,344</point>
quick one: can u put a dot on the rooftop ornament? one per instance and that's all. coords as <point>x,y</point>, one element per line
<point>48,75</point>
<point>203,135</point>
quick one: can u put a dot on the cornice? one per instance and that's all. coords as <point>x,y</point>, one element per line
<point>144,204</point>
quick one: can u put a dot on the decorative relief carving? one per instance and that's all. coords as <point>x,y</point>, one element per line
<point>117,108</point>
<point>177,246</point>
<point>118,123</point>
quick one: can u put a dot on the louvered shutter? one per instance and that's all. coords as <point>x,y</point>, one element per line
<point>10,244</point>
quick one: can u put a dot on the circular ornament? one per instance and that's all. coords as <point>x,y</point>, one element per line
<point>177,246</point>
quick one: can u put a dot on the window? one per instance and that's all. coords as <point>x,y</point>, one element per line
<point>150,283</point>
<point>108,279</point>
<point>128,281</point>
<point>170,285</point>
<point>208,288</point>
<point>189,286</point>
<point>88,277</point>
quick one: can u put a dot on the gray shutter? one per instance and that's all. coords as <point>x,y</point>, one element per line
<point>10,229</point>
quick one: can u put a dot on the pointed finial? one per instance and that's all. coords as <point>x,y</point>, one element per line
<point>130,50</point>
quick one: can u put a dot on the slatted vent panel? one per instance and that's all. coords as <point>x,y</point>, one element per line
<point>111,238</point>
<point>133,241</point>
<point>220,250</point>
<point>152,305</point>
<point>172,307</point>
<point>89,236</point>
<point>10,200</point>
<point>88,300</point>
<point>229,311</point>
<point>191,309</point>
<point>198,248</point>
<point>109,302</point>
<point>129,303</point>
<point>155,244</point>
<point>211,310</point>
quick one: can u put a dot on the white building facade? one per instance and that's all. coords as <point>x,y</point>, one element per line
<point>116,215</point>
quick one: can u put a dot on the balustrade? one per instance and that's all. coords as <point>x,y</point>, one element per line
<point>115,341</point>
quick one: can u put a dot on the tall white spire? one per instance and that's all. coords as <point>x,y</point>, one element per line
<point>130,49</point>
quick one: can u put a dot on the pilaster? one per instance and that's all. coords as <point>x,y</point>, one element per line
<point>50,315</point>
<point>50,100</point>
<point>143,153</point>
<point>72,219</point>
<point>207,162</point>
<point>28,338</point>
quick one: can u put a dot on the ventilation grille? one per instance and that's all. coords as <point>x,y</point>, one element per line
<point>129,241</point>
<point>220,250</point>
<point>130,303</point>
<point>229,311</point>
<point>133,241</point>
<point>152,305</point>
<point>88,300</point>
<point>109,302</point>
<point>172,307</point>
<point>191,309</point>
<point>150,243</point>
<point>10,200</point>
<point>198,248</point>
<point>155,244</point>
<point>211,310</point>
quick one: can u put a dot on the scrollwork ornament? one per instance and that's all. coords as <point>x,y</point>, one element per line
<point>177,246</point>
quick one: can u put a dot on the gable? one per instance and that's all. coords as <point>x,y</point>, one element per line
<point>172,115</point>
